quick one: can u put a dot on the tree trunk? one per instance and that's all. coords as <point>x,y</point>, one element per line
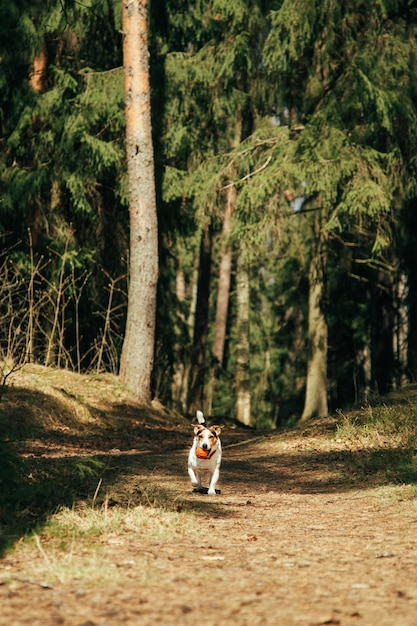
<point>138,347</point>
<point>412,328</point>
<point>224,278</point>
<point>410,259</point>
<point>242,378</point>
<point>401,329</point>
<point>38,76</point>
<point>223,292</point>
<point>382,333</point>
<point>198,355</point>
<point>182,365</point>
<point>316,389</point>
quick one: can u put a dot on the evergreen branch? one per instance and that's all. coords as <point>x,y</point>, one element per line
<point>86,71</point>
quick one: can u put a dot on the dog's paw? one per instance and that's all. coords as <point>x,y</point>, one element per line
<point>200,490</point>
<point>213,492</point>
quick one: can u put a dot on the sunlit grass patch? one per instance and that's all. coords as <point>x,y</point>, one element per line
<point>145,522</point>
<point>387,436</point>
<point>93,545</point>
<point>380,426</point>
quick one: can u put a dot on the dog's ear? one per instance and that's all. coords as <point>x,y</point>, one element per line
<point>198,429</point>
<point>216,429</point>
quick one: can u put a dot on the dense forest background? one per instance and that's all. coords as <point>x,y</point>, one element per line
<point>285,136</point>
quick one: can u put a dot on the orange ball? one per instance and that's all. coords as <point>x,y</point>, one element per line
<point>202,454</point>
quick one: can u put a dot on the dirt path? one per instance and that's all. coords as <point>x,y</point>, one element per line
<point>292,539</point>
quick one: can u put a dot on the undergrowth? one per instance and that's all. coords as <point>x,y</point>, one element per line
<point>387,435</point>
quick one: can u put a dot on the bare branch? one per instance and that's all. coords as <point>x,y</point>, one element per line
<point>241,180</point>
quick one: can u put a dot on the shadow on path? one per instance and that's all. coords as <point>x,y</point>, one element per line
<point>127,458</point>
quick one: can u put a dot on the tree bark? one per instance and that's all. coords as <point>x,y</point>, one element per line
<point>38,76</point>
<point>223,292</point>
<point>315,404</point>
<point>224,278</point>
<point>138,347</point>
<point>412,328</point>
<point>182,365</point>
<point>382,333</point>
<point>242,377</point>
<point>401,328</point>
<point>198,355</point>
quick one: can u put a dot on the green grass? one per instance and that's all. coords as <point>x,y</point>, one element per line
<point>387,435</point>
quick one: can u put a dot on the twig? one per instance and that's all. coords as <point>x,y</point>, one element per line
<point>29,581</point>
<point>235,182</point>
<point>96,491</point>
<point>5,375</point>
<point>46,559</point>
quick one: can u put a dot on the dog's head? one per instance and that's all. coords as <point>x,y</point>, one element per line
<point>207,438</point>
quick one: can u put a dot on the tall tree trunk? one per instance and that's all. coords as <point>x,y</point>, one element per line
<point>182,365</point>
<point>382,333</point>
<point>242,376</point>
<point>410,259</point>
<point>412,328</point>
<point>224,278</point>
<point>401,328</point>
<point>315,404</point>
<point>179,365</point>
<point>138,347</point>
<point>363,373</point>
<point>223,292</point>
<point>198,355</point>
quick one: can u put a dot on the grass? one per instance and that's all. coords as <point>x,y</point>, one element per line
<point>387,436</point>
<point>77,543</point>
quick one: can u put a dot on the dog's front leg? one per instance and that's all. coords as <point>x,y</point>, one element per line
<point>213,481</point>
<point>195,480</point>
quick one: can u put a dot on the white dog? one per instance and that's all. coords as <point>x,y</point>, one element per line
<point>205,456</point>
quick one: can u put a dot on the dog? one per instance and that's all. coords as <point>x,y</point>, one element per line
<point>205,456</point>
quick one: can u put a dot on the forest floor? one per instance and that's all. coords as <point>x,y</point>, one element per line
<point>308,528</point>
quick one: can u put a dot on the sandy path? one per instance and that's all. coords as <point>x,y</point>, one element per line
<point>287,542</point>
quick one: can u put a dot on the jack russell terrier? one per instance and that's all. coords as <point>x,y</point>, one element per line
<point>205,456</point>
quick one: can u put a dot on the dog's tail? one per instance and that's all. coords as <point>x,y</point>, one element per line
<point>200,418</point>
